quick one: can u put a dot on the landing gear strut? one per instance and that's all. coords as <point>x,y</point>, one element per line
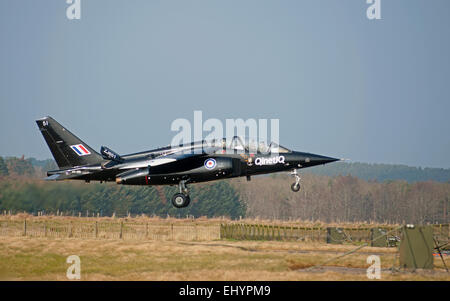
<point>295,186</point>
<point>181,199</point>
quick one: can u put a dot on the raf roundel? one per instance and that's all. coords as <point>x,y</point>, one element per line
<point>210,164</point>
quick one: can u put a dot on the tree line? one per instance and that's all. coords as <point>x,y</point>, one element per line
<point>21,194</point>
<point>346,199</point>
<point>22,189</point>
<point>341,198</point>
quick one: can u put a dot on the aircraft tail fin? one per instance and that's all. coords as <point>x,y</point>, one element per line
<point>67,149</point>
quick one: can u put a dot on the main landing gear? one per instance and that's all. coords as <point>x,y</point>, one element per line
<point>295,186</point>
<point>181,199</point>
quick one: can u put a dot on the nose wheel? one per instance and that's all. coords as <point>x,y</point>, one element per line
<point>295,186</point>
<point>181,199</point>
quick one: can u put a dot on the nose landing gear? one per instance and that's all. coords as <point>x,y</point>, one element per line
<point>181,199</point>
<point>295,186</point>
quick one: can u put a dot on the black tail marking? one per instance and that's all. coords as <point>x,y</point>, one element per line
<point>67,149</point>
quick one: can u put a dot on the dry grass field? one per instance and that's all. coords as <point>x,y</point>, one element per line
<point>25,258</point>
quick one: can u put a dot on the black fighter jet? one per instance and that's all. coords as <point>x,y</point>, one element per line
<point>172,165</point>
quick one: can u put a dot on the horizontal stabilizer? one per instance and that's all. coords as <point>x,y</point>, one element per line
<point>52,178</point>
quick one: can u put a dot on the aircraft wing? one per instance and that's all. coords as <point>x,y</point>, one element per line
<point>176,155</point>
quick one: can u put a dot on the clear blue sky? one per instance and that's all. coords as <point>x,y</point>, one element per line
<point>341,85</point>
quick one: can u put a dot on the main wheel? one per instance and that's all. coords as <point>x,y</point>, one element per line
<point>180,200</point>
<point>295,187</point>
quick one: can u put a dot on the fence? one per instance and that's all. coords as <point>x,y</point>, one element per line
<point>320,234</point>
<point>192,231</point>
<point>441,232</point>
<point>271,232</point>
<point>109,230</point>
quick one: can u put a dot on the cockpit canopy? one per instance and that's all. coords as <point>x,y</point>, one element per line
<point>248,145</point>
<point>235,144</point>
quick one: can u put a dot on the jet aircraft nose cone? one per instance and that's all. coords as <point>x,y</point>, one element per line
<point>308,159</point>
<point>318,159</point>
